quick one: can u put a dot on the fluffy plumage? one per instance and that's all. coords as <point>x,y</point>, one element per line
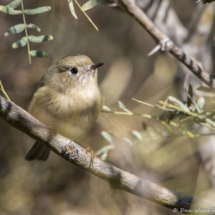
<point>69,102</point>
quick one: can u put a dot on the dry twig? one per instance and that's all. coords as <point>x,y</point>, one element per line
<point>4,92</point>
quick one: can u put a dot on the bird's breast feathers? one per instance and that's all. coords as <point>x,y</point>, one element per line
<point>72,114</point>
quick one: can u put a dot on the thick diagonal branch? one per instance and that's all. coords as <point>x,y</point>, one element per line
<point>165,44</point>
<point>205,1</point>
<point>75,154</point>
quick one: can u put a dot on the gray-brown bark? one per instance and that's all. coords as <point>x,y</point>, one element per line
<point>75,154</point>
<point>165,44</point>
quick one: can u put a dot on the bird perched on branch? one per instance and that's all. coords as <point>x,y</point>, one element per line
<point>68,99</point>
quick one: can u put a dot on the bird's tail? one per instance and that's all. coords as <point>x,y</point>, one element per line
<point>38,152</point>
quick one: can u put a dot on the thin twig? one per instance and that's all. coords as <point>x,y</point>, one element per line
<point>174,124</point>
<point>26,32</point>
<point>4,92</point>
<point>86,15</point>
<point>196,115</point>
<point>144,103</point>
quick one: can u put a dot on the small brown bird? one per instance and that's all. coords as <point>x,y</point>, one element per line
<point>68,99</point>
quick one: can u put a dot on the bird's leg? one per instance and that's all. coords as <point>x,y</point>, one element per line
<point>92,154</point>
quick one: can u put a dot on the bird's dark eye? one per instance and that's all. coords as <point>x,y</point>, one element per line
<point>74,71</point>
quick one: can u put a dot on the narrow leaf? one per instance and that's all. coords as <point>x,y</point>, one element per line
<point>205,89</point>
<point>105,149</point>
<point>37,10</point>
<point>171,117</point>
<point>107,137</point>
<point>137,135</point>
<point>104,156</point>
<point>190,95</point>
<point>168,128</point>
<point>201,103</point>
<point>122,106</point>
<point>40,39</point>
<point>33,26</point>
<point>35,53</point>
<point>72,9</point>
<point>144,125</point>
<point>9,10</point>
<point>90,4</point>
<point>14,4</point>
<point>179,103</point>
<point>106,108</point>
<point>15,30</point>
<point>20,43</point>
<point>128,141</point>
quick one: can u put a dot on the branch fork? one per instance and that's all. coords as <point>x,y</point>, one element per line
<point>164,45</point>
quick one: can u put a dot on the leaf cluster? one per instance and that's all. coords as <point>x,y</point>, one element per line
<point>88,5</point>
<point>177,119</point>
<point>10,9</point>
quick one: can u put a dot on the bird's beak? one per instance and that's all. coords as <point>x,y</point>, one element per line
<point>95,66</point>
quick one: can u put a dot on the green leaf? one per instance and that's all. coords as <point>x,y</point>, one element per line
<point>20,43</point>
<point>128,141</point>
<point>9,10</point>
<point>104,156</point>
<point>189,95</point>
<point>171,117</point>
<point>106,108</point>
<point>15,30</point>
<point>108,137</point>
<point>105,149</point>
<point>72,9</point>
<point>14,4</point>
<point>201,103</point>
<point>144,125</point>
<point>33,26</point>
<point>90,4</point>
<point>37,10</point>
<point>179,103</point>
<point>122,106</point>
<point>205,89</point>
<point>35,53</point>
<point>40,39</point>
<point>168,127</point>
<point>137,135</point>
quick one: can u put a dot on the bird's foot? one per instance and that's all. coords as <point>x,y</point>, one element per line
<point>92,154</point>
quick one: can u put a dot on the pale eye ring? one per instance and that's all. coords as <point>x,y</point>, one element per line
<point>74,71</point>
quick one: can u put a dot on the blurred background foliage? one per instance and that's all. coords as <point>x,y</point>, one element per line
<point>58,188</point>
